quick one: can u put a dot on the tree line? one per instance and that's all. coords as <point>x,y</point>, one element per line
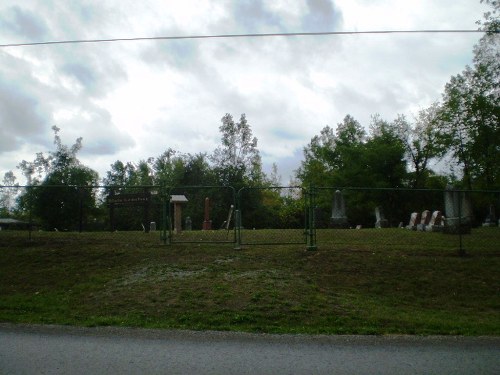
<point>460,134</point>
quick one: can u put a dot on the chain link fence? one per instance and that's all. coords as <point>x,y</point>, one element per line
<point>427,220</point>
<point>357,218</point>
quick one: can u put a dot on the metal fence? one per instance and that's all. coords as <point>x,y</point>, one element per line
<point>313,216</point>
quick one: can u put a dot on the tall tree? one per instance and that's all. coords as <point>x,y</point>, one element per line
<point>237,159</point>
<point>333,159</point>
<point>422,143</point>
<point>471,109</point>
<point>8,193</point>
<point>61,194</point>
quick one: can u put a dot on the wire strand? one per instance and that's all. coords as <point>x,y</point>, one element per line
<point>226,36</point>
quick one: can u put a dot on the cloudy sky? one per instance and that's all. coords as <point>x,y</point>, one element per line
<point>133,100</point>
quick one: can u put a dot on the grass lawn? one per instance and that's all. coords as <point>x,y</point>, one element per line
<point>358,282</point>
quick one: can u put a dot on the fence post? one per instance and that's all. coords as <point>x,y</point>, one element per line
<point>165,220</point>
<point>80,209</point>
<point>30,205</point>
<point>237,224</point>
<point>461,195</point>
<point>311,222</point>
<point>237,220</point>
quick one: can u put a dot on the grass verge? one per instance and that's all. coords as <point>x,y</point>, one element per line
<point>358,282</point>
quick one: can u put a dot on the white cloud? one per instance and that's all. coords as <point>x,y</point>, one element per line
<point>133,100</point>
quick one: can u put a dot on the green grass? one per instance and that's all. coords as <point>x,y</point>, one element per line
<point>358,281</point>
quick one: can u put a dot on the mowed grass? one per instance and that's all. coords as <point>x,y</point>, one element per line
<point>368,281</point>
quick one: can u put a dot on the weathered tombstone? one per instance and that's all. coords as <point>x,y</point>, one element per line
<point>424,220</point>
<point>381,220</point>
<point>415,218</point>
<point>339,218</point>
<point>458,211</point>
<point>491,219</point>
<point>359,226</point>
<point>436,222</point>
<point>189,224</point>
<point>178,200</point>
<point>207,223</point>
<point>152,226</point>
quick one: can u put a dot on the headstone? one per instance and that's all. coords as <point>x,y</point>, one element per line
<point>381,220</point>
<point>458,211</point>
<point>359,226</point>
<point>415,218</point>
<point>189,224</point>
<point>207,223</point>
<point>424,220</point>
<point>491,219</point>
<point>436,222</point>
<point>339,218</point>
<point>152,226</point>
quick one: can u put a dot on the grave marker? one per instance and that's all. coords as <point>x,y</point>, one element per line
<point>381,220</point>
<point>339,218</point>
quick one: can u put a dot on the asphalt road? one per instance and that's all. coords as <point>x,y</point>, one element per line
<point>68,350</point>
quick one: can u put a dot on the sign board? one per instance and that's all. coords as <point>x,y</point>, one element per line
<point>129,199</point>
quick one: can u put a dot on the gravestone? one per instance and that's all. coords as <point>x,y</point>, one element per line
<point>415,218</point>
<point>436,222</point>
<point>189,224</point>
<point>339,218</point>
<point>381,220</point>
<point>458,211</point>
<point>152,226</point>
<point>207,223</point>
<point>491,219</point>
<point>424,220</point>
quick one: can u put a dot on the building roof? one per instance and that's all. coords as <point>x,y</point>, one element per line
<point>178,199</point>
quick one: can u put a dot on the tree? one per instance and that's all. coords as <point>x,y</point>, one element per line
<point>237,160</point>
<point>383,156</point>
<point>7,193</point>
<point>61,195</point>
<point>470,112</point>
<point>422,143</point>
<point>332,158</point>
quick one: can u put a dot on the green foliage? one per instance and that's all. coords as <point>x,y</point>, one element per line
<point>8,193</point>
<point>65,197</point>
<point>49,197</point>
<point>470,112</point>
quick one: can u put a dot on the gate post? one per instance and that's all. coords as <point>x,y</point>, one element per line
<point>237,224</point>
<point>310,220</point>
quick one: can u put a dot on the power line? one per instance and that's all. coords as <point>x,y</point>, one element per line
<point>227,36</point>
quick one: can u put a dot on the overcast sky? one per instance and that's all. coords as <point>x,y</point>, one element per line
<point>133,100</point>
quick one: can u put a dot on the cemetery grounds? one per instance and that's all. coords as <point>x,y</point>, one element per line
<point>367,281</point>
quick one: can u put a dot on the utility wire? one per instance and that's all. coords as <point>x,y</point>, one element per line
<point>227,36</point>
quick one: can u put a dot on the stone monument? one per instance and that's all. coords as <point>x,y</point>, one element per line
<point>424,220</point>
<point>189,224</point>
<point>339,218</point>
<point>436,222</point>
<point>491,220</point>
<point>207,223</point>
<point>381,220</point>
<point>458,211</point>
<point>415,218</point>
